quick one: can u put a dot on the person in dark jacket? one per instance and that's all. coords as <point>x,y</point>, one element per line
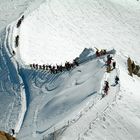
<point>20,21</point>
<point>116,80</point>
<point>13,132</point>
<point>75,62</point>
<point>114,65</point>
<point>17,40</point>
<point>97,53</point>
<point>13,52</point>
<point>106,87</point>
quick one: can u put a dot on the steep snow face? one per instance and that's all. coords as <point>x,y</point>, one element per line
<point>120,118</point>
<point>55,99</point>
<point>58,30</point>
<point>12,95</point>
<point>11,10</point>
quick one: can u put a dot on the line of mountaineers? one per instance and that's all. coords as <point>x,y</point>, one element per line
<point>110,65</point>
<point>55,69</point>
<point>58,68</point>
<point>17,36</point>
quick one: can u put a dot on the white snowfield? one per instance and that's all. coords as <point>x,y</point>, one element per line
<point>69,105</point>
<point>65,28</point>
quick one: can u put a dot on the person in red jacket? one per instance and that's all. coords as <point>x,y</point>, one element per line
<point>97,53</point>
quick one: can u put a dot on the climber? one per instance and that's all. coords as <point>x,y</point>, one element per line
<point>97,53</point>
<point>116,80</point>
<point>75,62</point>
<point>106,87</point>
<point>17,40</point>
<point>102,52</point>
<point>114,64</point>
<point>13,132</point>
<point>13,52</point>
<point>19,21</point>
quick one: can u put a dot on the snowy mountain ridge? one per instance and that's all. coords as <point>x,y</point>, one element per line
<point>68,105</point>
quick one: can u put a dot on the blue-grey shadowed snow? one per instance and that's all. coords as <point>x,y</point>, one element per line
<point>26,86</point>
<point>54,96</point>
<point>14,78</point>
<point>38,82</point>
<point>91,94</point>
<point>68,99</point>
<point>10,88</point>
<point>87,55</point>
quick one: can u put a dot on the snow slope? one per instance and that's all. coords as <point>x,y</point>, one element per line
<point>11,10</point>
<point>65,28</point>
<point>121,120</point>
<point>78,128</point>
<point>53,97</point>
<point>12,93</point>
<point>40,105</point>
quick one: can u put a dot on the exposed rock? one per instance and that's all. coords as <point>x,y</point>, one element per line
<point>136,70</point>
<point>129,64</point>
<point>6,136</point>
<point>138,73</point>
<point>133,68</point>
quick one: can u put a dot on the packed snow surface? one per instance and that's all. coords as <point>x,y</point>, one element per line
<point>69,105</point>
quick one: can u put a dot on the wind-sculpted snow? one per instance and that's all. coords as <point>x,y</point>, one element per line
<point>81,126</point>
<point>52,97</point>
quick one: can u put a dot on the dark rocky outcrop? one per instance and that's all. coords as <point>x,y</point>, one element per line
<point>133,68</point>
<point>6,136</point>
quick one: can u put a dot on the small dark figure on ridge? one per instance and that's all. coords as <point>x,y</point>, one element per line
<point>116,80</point>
